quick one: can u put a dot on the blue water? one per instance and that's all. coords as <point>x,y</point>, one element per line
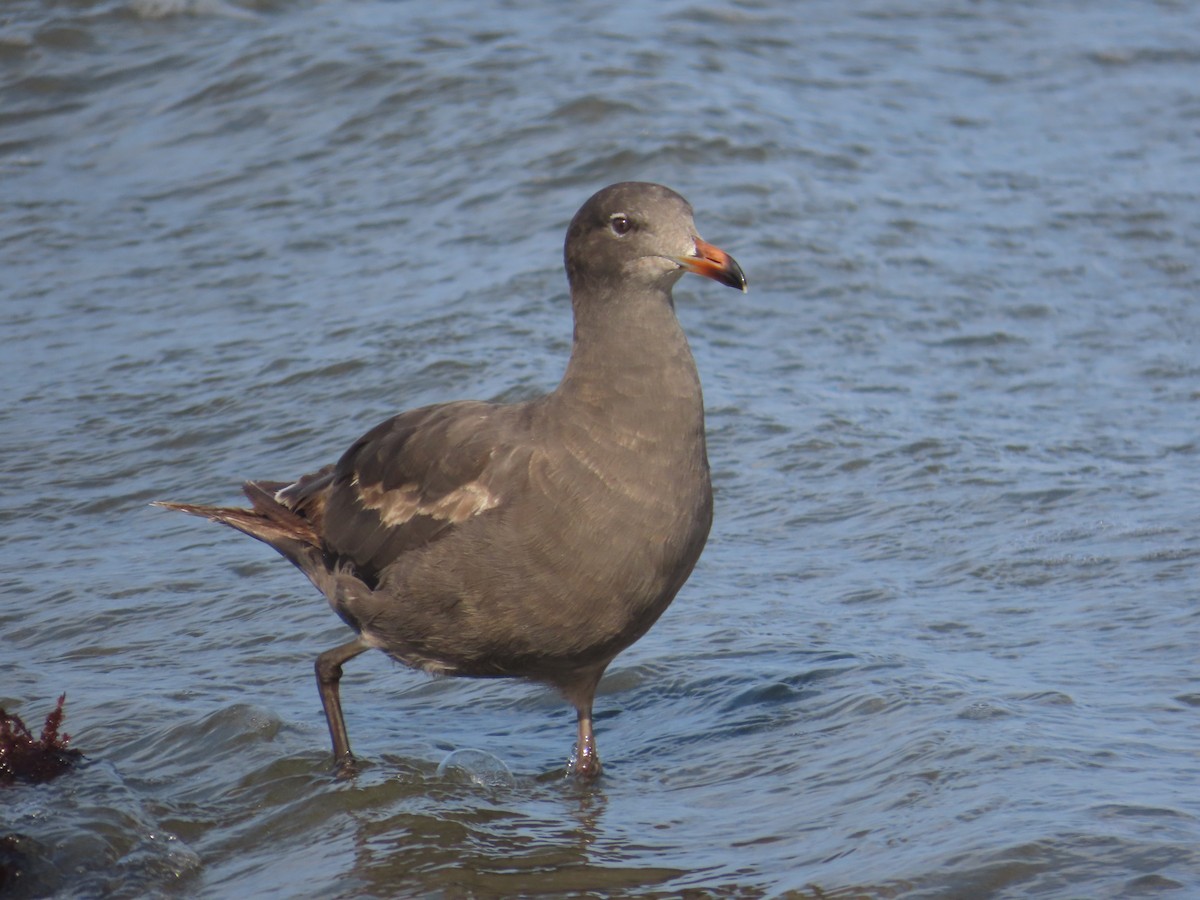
<point>943,641</point>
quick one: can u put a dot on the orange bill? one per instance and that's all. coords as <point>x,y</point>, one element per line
<point>713,262</point>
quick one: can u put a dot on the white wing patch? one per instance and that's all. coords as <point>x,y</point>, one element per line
<point>397,506</point>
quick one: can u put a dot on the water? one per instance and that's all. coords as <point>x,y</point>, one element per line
<point>943,641</point>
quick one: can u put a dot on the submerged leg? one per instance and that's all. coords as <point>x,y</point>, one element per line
<point>585,760</point>
<point>581,691</point>
<point>329,673</point>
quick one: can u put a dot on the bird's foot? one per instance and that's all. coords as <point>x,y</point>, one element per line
<point>345,767</point>
<point>584,765</point>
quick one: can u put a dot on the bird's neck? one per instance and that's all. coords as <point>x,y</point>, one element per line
<point>631,365</point>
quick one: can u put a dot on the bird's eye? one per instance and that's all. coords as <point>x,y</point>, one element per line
<point>620,224</point>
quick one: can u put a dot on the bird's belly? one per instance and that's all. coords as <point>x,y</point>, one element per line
<point>553,589</point>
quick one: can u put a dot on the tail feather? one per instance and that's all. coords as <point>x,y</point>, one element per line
<point>269,522</point>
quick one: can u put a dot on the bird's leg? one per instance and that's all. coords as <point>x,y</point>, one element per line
<point>585,760</point>
<point>329,673</point>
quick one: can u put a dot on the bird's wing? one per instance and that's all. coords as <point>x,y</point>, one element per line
<point>412,480</point>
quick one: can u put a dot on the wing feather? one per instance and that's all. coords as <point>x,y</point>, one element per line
<point>414,479</point>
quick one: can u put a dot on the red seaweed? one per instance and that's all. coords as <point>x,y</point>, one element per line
<point>22,758</point>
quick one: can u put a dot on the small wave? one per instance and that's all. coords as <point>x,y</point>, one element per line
<point>166,9</point>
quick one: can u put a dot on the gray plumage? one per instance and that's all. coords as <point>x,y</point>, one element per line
<point>538,539</point>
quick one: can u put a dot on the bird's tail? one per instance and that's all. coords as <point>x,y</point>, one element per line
<point>268,521</point>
